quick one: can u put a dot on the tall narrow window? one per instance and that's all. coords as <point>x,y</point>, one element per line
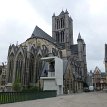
<point>11,67</point>
<point>57,36</point>
<point>62,23</point>
<point>19,64</point>
<point>58,23</point>
<point>38,67</point>
<point>62,36</point>
<point>31,69</point>
<point>26,70</point>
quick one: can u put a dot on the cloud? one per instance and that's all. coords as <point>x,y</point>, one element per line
<point>17,22</point>
<point>18,19</point>
<point>98,7</point>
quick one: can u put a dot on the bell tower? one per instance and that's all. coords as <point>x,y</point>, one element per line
<point>62,28</point>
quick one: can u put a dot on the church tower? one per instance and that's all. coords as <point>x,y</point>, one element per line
<point>62,28</point>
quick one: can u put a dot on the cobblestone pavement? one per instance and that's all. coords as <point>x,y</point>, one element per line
<point>91,99</point>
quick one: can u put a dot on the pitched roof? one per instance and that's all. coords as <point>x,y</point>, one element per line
<point>97,70</point>
<point>39,33</point>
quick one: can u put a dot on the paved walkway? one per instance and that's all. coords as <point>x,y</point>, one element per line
<point>91,99</point>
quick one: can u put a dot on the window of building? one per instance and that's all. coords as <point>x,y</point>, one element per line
<point>58,23</point>
<point>31,68</point>
<point>57,36</point>
<point>38,67</point>
<point>11,66</point>
<point>19,64</point>
<point>62,36</point>
<point>62,23</point>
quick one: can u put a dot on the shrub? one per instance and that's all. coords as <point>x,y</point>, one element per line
<point>17,87</point>
<point>31,89</point>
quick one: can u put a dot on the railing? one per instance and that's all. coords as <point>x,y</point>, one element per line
<point>51,74</point>
<point>10,97</point>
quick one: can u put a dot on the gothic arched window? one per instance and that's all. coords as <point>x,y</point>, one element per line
<point>58,23</point>
<point>19,65</point>
<point>62,23</point>
<point>38,67</point>
<point>62,36</point>
<point>11,67</point>
<point>57,36</point>
<point>31,68</point>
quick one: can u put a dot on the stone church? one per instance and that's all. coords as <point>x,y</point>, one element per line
<point>24,60</point>
<point>105,59</point>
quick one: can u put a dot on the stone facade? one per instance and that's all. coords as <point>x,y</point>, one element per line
<point>24,60</point>
<point>99,79</point>
<point>3,69</point>
<point>62,28</point>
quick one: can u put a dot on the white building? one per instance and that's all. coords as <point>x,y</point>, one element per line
<point>53,78</point>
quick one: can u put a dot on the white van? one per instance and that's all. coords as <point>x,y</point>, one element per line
<point>91,88</point>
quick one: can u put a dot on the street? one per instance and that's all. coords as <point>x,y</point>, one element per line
<point>89,99</point>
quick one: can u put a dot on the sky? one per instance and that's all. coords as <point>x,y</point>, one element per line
<point>18,19</point>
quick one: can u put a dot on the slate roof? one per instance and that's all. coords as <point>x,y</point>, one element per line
<point>39,33</point>
<point>74,49</point>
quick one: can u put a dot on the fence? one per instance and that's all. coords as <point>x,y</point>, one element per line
<point>10,97</point>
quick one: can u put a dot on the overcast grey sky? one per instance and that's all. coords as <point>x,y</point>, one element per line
<point>18,19</point>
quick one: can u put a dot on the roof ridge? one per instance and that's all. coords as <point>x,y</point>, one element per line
<point>38,32</point>
<point>42,30</point>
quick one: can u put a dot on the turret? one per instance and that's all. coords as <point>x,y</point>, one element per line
<point>66,12</point>
<point>53,15</point>
<point>80,47</point>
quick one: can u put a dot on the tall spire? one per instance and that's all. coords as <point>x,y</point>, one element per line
<point>62,12</point>
<point>17,43</point>
<point>83,42</point>
<point>54,14</point>
<point>66,11</point>
<point>79,36</point>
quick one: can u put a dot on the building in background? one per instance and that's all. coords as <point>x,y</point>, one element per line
<point>89,78</point>
<point>97,79</point>
<point>26,66</point>
<point>3,71</point>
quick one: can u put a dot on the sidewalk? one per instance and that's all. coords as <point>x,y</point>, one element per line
<point>90,99</point>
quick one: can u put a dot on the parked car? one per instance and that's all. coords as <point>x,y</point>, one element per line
<point>91,88</point>
<point>86,89</point>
